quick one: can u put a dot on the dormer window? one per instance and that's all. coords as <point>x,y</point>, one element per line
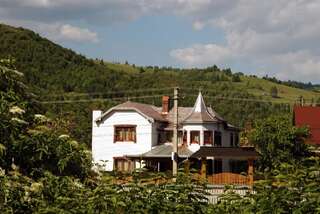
<point>125,133</point>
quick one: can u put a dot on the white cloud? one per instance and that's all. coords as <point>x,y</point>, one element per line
<point>77,34</point>
<point>278,37</point>
<point>202,54</point>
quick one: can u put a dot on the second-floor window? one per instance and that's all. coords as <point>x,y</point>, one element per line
<point>208,138</point>
<point>125,133</point>
<point>217,138</point>
<point>195,137</point>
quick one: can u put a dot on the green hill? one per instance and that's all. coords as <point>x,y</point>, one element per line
<point>79,84</point>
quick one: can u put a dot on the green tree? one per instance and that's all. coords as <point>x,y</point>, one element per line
<point>236,78</point>
<point>278,141</point>
<point>29,140</point>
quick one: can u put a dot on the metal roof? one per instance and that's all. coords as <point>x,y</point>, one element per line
<point>165,151</point>
<point>149,111</point>
<point>222,152</point>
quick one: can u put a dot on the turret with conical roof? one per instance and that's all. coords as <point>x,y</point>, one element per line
<point>201,114</point>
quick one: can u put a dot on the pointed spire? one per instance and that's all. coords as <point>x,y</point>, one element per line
<point>200,106</point>
<point>200,113</point>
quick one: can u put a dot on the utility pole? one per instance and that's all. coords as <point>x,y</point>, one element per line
<point>175,133</point>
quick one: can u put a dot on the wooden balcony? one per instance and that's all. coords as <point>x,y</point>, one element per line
<point>228,178</point>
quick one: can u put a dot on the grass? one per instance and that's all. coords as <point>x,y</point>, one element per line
<point>286,94</point>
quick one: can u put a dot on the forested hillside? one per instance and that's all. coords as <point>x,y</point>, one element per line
<point>69,85</point>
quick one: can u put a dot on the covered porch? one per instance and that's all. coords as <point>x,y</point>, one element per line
<point>226,165</point>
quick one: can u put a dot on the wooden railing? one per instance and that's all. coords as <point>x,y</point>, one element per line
<point>226,178</point>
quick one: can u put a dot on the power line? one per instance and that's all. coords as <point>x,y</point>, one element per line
<point>249,99</point>
<point>244,99</point>
<point>98,99</point>
<point>107,93</point>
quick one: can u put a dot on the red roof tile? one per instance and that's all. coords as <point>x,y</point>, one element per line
<point>309,116</point>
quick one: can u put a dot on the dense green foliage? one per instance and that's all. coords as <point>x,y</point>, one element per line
<point>278,141</point>
<point>29,140</point>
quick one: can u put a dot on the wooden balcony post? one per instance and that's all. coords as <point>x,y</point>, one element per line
<point>187,167</point>
<point>250,171</point>
<point>203,172</point>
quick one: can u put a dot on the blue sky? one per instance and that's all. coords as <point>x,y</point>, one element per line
<point>146,40</point>
<point>275,38</point>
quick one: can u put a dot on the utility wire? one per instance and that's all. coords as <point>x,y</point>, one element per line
<point>210,90</point>
<point>154,96</point>
<point>98,99</point>
<point>107,93</point>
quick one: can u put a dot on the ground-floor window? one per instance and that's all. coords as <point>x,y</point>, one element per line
<point>238,166</point>
<point>210,166</point>
<point>217,166</point>
<point>123,165</point>
<point>236,139</point>
<point>231,139</point>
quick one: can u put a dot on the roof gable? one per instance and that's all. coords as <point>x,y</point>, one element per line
<point>147,111</point>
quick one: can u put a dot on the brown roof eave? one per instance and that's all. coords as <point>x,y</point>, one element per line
<point>223,152</point>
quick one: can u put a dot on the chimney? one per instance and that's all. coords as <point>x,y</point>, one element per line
<point>165,105</point>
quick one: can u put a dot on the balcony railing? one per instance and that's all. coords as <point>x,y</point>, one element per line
<point>228,178</point>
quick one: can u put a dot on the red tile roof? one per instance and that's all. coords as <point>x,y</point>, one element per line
<point>309,116</point>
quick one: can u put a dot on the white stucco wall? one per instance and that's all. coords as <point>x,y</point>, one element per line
<point>103,146</point>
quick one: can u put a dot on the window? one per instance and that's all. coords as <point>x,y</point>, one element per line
<point>208,137</point>
<point>195,137</point>
<point>231,139</point>
<point>123,165</point>
<point>217,165</point>
<point>237,140</point>
<point>210,165</point>
<point>125,133</point>
<point>182,137</point>
<point>238,166</point>
<point>169,136</point>
<point>217,138</point>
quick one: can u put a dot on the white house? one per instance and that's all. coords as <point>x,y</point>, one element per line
<point>131,131</point>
